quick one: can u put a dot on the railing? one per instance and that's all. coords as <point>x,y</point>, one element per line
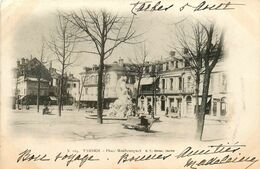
<point>146,92</point>
<point>176,91</point>
<point>168,91</point>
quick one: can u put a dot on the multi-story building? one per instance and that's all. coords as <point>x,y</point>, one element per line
<point>112,73</point>
<point>28,73</point>
<point>71,83</point>
<point>169,86</point>
<point>72,88</point>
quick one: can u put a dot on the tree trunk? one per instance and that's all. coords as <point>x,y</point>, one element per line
<point>61,90</point>
<point>197,88</point>
<point>202,111</point>
<point>81,90</point>
<point>100,91</point>
<point>38,94</point>
<point>138,90</point>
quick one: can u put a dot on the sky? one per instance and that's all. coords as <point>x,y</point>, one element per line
<point>29,22</point>
<point>157,31</point>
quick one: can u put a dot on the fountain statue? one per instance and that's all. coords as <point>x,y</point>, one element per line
<point>123,106</point>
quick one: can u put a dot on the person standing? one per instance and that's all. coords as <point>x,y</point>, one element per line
<point>167,111</point>
<point>149,109</point>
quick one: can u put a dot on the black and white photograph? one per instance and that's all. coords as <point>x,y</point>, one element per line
<point>130,84</point>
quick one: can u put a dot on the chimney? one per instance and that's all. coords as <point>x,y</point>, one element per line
<point>185,50</point>
<point>86,68</point>
<point>172,53</point>
<point>94,68</point>
<point>23,61</point>
<point>121,61</point>
<point>18,63</point>
<point>50,65</point>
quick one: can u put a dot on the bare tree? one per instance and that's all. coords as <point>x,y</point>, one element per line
<point>138,64</point>
<point>39,74</point>
<point>201,47</point>
<point>81,90</point>
<point>105,31</point>
<point>62,45</point>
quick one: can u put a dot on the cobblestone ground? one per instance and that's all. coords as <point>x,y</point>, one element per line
<point>74,126</point>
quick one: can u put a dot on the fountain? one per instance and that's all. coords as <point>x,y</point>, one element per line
<point>123,106</point>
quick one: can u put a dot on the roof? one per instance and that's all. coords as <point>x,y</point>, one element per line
<point>54,73</point>
<point>72,78</point>
<point>32,68</point>
<point>35,79</point>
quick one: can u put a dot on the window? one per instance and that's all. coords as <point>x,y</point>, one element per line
<point>163,84</point>
<point>180,63</point>
<point>86,90</point>
<point>189,82</point>
<point>186,63</point>
<point>189,104</point>
<point>177,64</point>
<point>188,99</point>
<point>214,108</point>
<point>149,101</point>
<point>133,78</point>
<point>171,85</point>
<point>172,64</point>
<point>223,106</point>
<point>162,103</point>
<point>167,66</point>
<point>180,83</point>
<point>74,85</point>
<point>128,79</point>
<point>160,67</point>
<point>153,68</point>
<point>142,103</point>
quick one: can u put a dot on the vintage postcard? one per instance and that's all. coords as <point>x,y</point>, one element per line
<point>142,84</point>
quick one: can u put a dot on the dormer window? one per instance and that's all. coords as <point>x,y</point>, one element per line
<point>167,66</point>
<point>153,68</point>
<point>186,63</point>
<point>147,69</point>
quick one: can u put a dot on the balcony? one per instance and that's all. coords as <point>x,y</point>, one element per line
<point>146,92</point>
<point>176,91</point>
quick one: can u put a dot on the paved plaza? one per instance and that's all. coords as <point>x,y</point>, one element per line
<point>74,126</point>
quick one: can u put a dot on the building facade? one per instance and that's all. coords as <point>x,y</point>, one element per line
<point>169,87</point>
<point>112,73</point>
<point>28,74</point>
<point>71,90</point>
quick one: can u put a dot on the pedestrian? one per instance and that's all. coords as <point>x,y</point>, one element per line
<point>167,111</point>
<point>149,108</point>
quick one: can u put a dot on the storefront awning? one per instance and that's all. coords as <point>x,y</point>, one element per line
<point>147,81</point>
<point>35,79</point>
<point>53,98</point>
<point>21,98</point>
